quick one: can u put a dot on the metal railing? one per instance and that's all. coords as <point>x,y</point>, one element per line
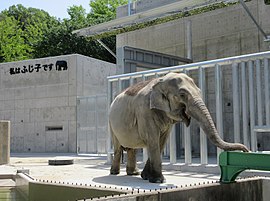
<point>235,79</point>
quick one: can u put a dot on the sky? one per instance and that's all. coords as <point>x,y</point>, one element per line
<point>57,8</point>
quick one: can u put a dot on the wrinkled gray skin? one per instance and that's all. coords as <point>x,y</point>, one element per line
<point>142,116</point>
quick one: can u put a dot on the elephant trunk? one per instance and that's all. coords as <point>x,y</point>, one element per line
<point>199,111</point>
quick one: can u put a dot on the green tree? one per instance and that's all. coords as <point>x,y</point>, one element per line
<point>40,35</point>
<point>12,45</point>
<point>103,10</point>
<point>78,18</point>
<point>61,41</point>
<point>26,28</point>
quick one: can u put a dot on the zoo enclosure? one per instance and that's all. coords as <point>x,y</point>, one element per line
<point>239,84</point>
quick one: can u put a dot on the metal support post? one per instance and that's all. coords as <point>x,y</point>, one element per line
<point>109,137</point>
<point>259,92</point>
<point>188,151</point>
<point>253,139</point>
<point>203,138</point>
<point>107,48</point>
<point>219,103</point>
<point>173,146</point>
<point>236,103</point>
<point>266,84</point>
<point>244,104</point>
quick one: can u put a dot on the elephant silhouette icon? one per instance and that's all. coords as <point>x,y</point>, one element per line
<point>61,65</point>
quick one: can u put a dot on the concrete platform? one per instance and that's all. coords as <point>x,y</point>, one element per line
<point>92,170</point>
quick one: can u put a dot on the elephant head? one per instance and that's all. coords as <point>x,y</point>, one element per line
<point>178,96</point>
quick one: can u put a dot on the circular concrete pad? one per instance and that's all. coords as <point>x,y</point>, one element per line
<point>61,161</point>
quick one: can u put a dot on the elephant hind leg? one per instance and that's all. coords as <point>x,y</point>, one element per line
<point>131,162</point>
<point>118,149</point>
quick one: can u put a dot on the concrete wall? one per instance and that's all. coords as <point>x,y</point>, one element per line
<point>216,34</point>
<point>41,103</point>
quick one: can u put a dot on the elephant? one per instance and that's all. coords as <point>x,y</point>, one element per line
<point>142,116</point>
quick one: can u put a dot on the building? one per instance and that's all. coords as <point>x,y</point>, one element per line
<point>198,30</point>
<point>42,97</point>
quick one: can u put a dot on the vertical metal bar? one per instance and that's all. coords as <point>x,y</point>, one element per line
<point>145,153</point>
<point>203,138</point>
<point>189,39</point>
<point>219,106</point>
<point>188,155</point>
<point>96,123</point>
<point>119,86</point>
<point>253,137</point>
<point>173,146</point>
<point>87,120</point>
<point>109,137</point>
<point>129,7</point>
<point>266,85</point>
<point>188,158</point>
<point>259,92</point>
<point>244,104</point>
<point>131,81</point>
<point>236,105</point>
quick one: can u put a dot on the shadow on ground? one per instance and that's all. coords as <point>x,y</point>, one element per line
<point>135,182</point>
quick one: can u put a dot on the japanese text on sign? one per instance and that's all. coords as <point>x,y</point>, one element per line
<point>58,66</point>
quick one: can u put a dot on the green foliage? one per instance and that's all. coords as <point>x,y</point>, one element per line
<point>20,30</point>
<point>12,46</point>
<point>103,10</point>
<point>27,33</point>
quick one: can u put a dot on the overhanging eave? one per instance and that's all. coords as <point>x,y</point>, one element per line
<point>157,15</point>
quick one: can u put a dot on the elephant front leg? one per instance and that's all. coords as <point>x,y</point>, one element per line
<point>155,169</point>
<point>131,162</point>
<point>145,174</point>
<point>147,168</point>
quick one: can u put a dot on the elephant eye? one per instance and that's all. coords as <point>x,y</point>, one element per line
<point>182,93</point>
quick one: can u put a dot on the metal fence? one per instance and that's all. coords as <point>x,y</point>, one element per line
<point>236,91</point>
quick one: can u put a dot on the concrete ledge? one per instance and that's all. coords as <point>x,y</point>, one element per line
<point>247,189</point>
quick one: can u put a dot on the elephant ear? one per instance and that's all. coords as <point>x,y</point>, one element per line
<point>158,100</point>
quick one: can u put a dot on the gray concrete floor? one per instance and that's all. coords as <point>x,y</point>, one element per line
<point>92,169</point>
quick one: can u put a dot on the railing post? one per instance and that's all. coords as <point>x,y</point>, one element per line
<point>236,104</point>
<point>253,138</point>
<point>145,153</point>
<point>188,151</point>
<point>266,84</point>
<point>259,92</point>
<point>203,138</point>
<point>244,104</point>
<point>219,103</point>
<point>173,146</point>
<point>109,137</point>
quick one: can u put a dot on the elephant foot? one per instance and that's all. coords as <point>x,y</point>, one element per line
<point>160,179</point>
<point>145,175</point>
<point>114,171</point>
<point>132,171</point>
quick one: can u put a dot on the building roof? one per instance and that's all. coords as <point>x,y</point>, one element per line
<point>154,16</point>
